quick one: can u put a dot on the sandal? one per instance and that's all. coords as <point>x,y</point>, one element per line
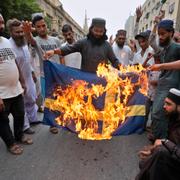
<point>26,141</point>
<point>15,149</point>
<point>53,130</point>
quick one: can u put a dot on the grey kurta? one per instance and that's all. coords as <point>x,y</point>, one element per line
<point>168,79</point>
<point>92,54</point>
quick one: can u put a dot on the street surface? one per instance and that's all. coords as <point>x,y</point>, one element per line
<point>66,157</point>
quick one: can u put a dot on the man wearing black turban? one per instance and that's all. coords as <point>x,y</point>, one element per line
<point>94,48</point>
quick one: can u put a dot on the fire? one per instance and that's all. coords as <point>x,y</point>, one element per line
<point>75,102</point>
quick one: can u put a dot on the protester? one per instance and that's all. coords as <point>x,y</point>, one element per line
<point>168,78</point>
<point>94,48</point>
<point>74,59</point>
<point>23,56</point>
<point>43,42</point>
<point>122,51</point>
<point>11,99</point>
<point>145,50</point>
<point>162,160</point>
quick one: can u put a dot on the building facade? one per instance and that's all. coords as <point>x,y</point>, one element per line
<point>129,27</point>
<point>151,8</point>
<point>56,17</point>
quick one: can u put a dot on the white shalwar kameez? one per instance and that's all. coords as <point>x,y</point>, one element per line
<point>24,63</point>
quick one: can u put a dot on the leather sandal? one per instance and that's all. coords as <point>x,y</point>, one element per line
<point>53,130</point>
<point>15,149</point>
<point>26,140</point>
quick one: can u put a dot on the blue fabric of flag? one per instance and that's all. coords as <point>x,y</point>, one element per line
<point>60,75</point>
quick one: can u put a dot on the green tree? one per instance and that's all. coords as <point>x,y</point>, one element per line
<point>163,1</point>
<point>20,9</point>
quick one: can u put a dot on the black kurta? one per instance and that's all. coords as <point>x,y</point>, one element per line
<point>91,54</point>
<point>164,163</point>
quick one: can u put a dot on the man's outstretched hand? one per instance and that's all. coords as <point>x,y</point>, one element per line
<point>48,54</point>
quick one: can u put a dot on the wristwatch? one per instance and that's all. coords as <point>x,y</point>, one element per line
<point>164,141</point>
<point>56,51</point>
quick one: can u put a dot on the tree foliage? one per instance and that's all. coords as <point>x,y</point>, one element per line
<point>20,9</point>
<point>163,1</point>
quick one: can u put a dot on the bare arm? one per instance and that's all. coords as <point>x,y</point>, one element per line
<point>62,61</point>
<point>50,53</point>
<point>111,40</point>
<point>139,13</point>
<point>27,28</point>
<point>166,66</point>
<point>65,50</point>
<point>21,78</point>
<point>145,64</point>
<point>152,37</point>
<point>1,105</point>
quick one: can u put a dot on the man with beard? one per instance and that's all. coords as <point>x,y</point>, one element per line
<point>74,59</point>
<point>122,51</point>
<point>162,160</point>
<point>94,48</point>
<point>11,99</point>
<point>24,61</point>
<point>43,42</point>
<point>168,78</point>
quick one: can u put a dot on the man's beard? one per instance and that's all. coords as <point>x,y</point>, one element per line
<point>120,45</point>
<point>96,41</point>
<point>1,32</point>
<point>70,41</point>
<point>165,43</point>
<point>20,41</point>
<point>172,115</point>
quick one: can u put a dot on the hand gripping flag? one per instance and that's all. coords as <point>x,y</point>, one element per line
<point>59,75</point>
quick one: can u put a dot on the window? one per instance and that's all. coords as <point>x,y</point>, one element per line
<point>171,8</point>
<point>158,5</point>
<point>151,24</point>
<point>147,15</point>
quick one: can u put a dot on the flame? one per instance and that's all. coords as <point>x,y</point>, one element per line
<point>75,102</point>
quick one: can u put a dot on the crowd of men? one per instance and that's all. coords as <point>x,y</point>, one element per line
<point>22,82</point>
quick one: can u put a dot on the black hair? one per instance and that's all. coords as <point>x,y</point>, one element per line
<point>66,28</point>
<point>36,18</point>
<point>12,23</point>
<point>171,30</point>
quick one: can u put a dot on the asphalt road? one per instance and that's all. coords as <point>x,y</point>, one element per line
<point>66,157</point>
